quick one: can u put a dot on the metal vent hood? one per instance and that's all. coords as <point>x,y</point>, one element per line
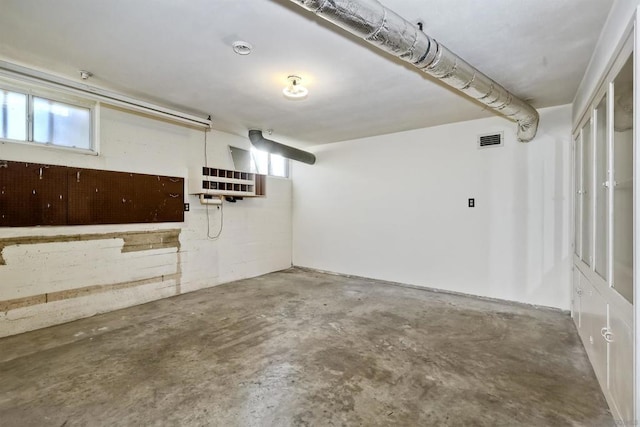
<point>385,29</point>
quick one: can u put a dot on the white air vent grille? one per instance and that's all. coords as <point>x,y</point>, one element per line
<point>491,140</point>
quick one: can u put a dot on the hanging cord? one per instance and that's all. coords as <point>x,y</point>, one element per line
<point>221,207</point>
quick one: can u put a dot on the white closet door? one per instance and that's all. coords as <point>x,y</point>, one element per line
<point>594,318</point>
<point>576,307</point>
<point>621,364</point>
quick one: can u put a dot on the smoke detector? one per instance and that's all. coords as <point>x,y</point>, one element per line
<point>242,48</point>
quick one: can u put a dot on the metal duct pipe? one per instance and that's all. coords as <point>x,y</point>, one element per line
<point>382,27</point>
<point>261,143</point>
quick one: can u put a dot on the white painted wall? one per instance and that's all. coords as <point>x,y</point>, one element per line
<point>394,207</point>
<point>256,238</point>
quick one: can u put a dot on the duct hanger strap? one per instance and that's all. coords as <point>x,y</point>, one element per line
<point>382,27</point>
<point>273,147</point>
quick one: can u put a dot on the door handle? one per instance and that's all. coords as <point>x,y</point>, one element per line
<point>606,334</point>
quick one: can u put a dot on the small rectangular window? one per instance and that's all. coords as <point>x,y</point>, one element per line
<point>61,124</point>
<point>261,159</point>
<point>259,162</point>
<point>37,119</point>
<point>13,115</point>
<point>278,166</point>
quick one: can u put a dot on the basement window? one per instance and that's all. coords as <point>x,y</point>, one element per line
<point>259,162</point>
<point>270,164</point>
<point>46,118</point>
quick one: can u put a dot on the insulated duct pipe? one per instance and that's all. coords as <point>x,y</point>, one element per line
<point>380,26</point>
<point>264,144</point>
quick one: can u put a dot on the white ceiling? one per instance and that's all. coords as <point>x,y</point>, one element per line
<point>178,53</point>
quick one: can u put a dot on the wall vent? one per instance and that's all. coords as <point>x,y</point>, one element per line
<point>491,140</point>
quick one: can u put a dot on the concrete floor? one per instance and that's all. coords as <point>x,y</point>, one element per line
<point>303,348</point>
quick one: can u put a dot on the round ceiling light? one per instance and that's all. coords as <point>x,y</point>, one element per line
<point>242,48</point>
<point>294,90</point>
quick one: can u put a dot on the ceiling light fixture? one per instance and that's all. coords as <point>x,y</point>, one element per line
<point>242,48</point>
<point>294,89</point>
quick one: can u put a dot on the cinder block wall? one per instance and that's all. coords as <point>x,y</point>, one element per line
<point>48,276</point>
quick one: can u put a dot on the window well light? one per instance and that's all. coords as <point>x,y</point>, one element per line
<point>294,89</point>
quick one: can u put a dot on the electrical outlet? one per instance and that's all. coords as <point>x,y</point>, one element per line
<point>472,203</point>
<point>186,207</point>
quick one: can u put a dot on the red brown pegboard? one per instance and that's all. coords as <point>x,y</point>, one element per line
<point>35,194</point>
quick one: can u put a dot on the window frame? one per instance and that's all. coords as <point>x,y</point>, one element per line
<point>254,164</point>
<point>286,167</point>
<point>32,91</point>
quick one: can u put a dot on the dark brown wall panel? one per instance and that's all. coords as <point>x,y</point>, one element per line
<point>101,197</point>
<point>32,194</point>
<point>159,197</point>
<point>74,196</point>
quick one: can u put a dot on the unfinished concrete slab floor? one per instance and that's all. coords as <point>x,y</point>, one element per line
<point>299,348</point>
